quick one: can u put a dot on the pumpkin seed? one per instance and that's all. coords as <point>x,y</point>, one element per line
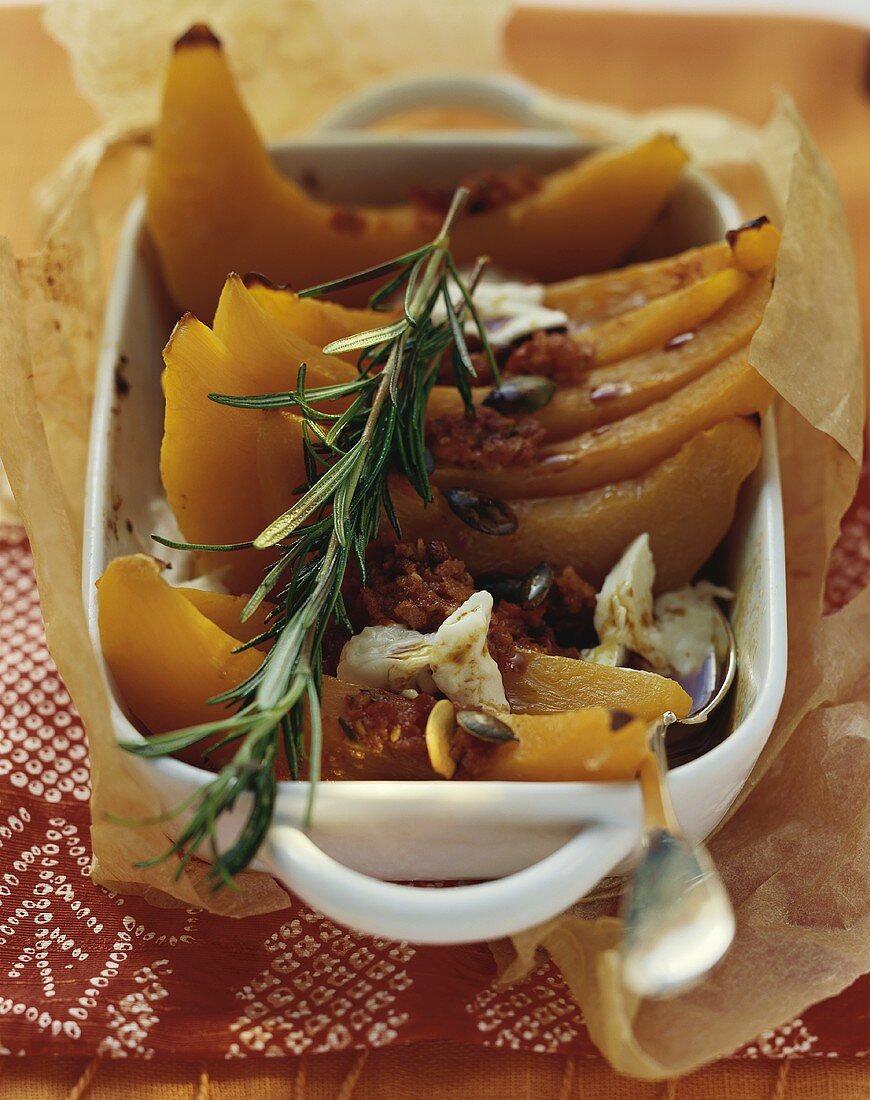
<point>485,726</point>
<point>501,586</point>
<point>522,393</point>
<point>486,514</point>
<point>536,585</point>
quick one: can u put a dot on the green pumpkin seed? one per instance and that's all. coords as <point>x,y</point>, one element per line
<point>486,514</point>
<point>536,586</point>
<point>521,393</point>
<point>485,726</point>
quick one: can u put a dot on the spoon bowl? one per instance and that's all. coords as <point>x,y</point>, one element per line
<point>709,685</point>
<point>679,921</point>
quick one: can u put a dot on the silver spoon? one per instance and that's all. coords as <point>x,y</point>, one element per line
<point>678,919</point>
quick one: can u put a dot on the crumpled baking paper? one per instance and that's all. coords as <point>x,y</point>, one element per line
<point>794,852</point>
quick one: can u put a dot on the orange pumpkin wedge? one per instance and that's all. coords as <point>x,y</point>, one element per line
<point>686,503</point>
<point>225,611</point>
<point>171,649</point>
<point>272,348</point>
<point>591,298</point>
<point>546,684</point>
<point>165,655</point>
<point>615,391</point>
<point>316,320</point>
<point>575,746</point>
<point>653,324</point>
<point>628,447</point>
<point>215,202</point>
<point>208,460</point>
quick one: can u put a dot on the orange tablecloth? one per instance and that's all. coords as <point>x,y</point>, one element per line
<point>728,63</point>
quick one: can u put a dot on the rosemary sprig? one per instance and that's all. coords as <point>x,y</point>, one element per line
<point>349,457</point>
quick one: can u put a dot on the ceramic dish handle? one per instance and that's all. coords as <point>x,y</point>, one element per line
<point>502,95</point>
<point>450,914</point>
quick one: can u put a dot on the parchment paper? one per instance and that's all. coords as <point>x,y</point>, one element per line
<point>794,855</point>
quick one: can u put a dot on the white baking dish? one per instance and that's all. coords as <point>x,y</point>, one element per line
<point>543,846</point>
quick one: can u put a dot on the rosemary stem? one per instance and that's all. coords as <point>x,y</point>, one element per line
<point>390,367</point>
<point>332,522</point>
<point>435,264</point>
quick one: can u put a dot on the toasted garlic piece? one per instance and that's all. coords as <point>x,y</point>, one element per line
<point>454,659</point>
<point>440,727</point>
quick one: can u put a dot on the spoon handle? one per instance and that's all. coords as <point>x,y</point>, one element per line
<point>658,809</point>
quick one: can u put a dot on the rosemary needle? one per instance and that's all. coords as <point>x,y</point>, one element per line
<point>348,457</point>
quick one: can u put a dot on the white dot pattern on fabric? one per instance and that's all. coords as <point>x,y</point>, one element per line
<point>43,752</point>
<point>323,989</point>
<point>538,1016</point>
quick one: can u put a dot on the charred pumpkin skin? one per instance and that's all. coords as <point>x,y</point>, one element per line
<point>755,244</point>
<point>686,503</point>
<point>628,447</point>
<point>620,389</point>
<point>216,204</point>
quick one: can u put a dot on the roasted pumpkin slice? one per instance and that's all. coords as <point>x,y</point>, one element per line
<point>278,442</point>
<point>166,656</point>
<point>583,218</point>
<point>545,684</point>
<point>686,503</point>
<point>660,320</point>
<point>316,320</point>
<point>754,245</point>
<point>626,448</point>
<point>270,349</point>
<point>215,203</point>
<point>591,298</point>
<point>171,649</point>
<point>225,611</point>
<point>574,746</point>
<point>208,460</point>
<point>613,392</point>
